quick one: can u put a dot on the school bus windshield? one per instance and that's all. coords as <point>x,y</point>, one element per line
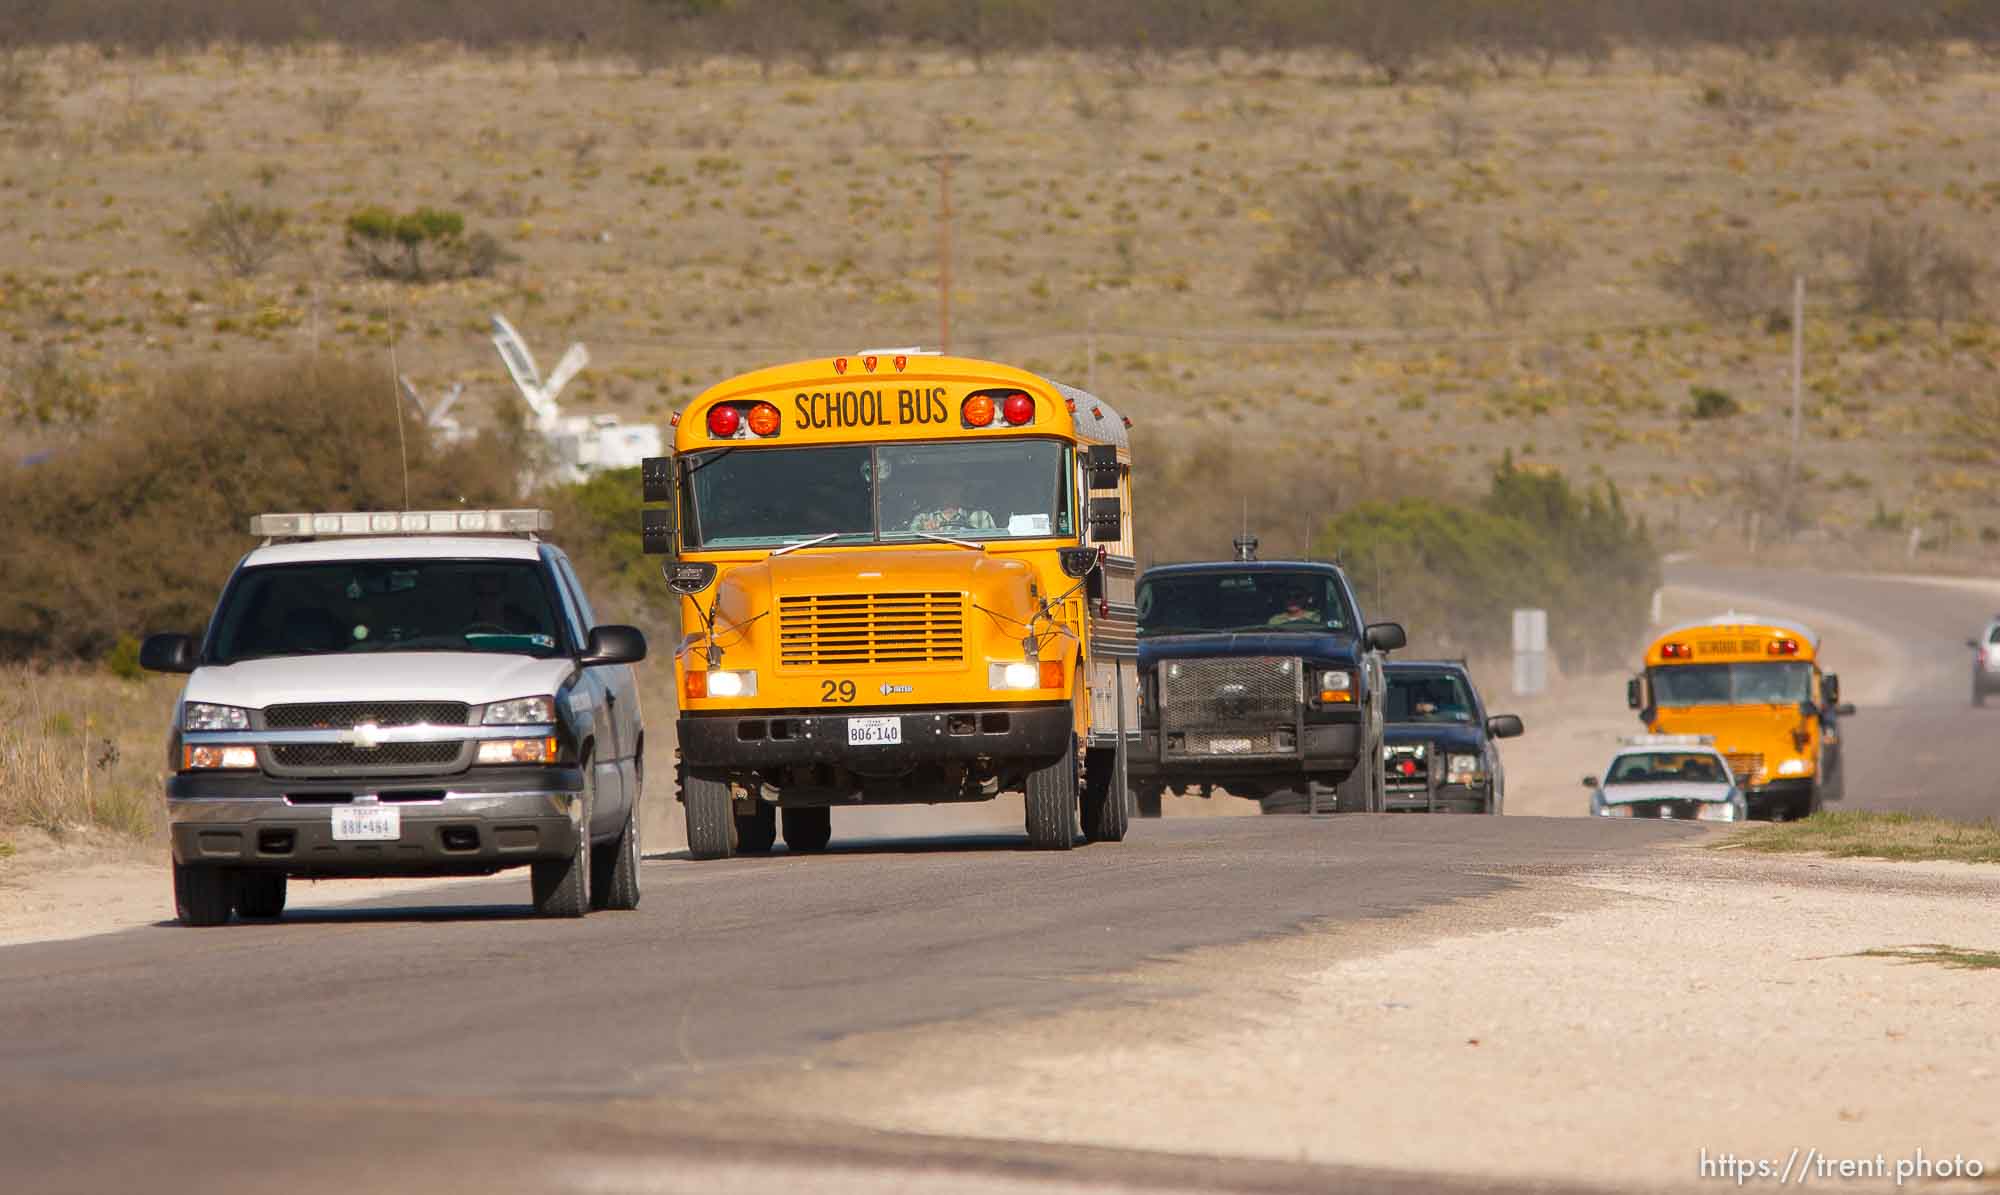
<point>863,493</point>
<point>1781,683</point>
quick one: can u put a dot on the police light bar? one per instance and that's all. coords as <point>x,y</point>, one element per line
<point>1668,740</point>
<point>400,522</point>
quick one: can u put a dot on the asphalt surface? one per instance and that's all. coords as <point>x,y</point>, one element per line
<point>440,1040</point>
<point>1919,750</point>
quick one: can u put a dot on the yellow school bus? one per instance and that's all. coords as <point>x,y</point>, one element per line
<point>905,578</point>
<point>1755,685</point>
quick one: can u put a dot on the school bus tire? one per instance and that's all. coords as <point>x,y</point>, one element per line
<point>808,829</point>
<point>1148,800</point>
<point>1051,802</point>
<point>757,831</point>
<point>1105,817</point>
<point>711,821</point>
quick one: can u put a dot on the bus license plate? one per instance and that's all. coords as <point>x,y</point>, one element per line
<point>874,732</point>
<point>367,823</point>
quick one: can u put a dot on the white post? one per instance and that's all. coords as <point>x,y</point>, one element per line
<point>1531,652</point>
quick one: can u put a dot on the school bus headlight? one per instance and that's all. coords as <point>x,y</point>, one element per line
<point>196,759</point>
<point>1792,767</point>
<point>1018,675</point>
<point>542,750</point>
<point>721,683</point>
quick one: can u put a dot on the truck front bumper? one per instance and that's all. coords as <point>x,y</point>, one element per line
<point>1322,748</point>
<point>469,824</point>
<point>1015,734</point>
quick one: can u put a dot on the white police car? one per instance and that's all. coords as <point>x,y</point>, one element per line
<point>1668,776</point>
<point>406,693</point>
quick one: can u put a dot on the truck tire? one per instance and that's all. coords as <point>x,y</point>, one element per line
<point>261,894</point>
<point>808,829</point>
<point>711,823</point>
<point>757,831</point>
<point>1105,818</point>
<point>1354,793</point>
<point>614,876</point>
<point>1148,800</point>
<point>561,887</point>
<point>204,896</point>
<point>1051,802</point>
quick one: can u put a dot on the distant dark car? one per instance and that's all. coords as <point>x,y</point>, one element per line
<point>1260,677</point>
<point>1439,751</point>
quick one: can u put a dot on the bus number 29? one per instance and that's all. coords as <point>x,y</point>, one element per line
<point>836,690</point>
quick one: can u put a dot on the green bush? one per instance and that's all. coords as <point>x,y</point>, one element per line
<point>1453,571</point>
<point>420,245</point>
<point>1710,403</point>
<point>122,661</point>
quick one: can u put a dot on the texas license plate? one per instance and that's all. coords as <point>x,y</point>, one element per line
<point>1228,746</point>
<point>874,732</point>
<point>367,823</point>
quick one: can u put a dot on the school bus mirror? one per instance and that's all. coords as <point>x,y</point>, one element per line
<point>1632,696</point>
<point>1078,562</point>
<point>1107,521</point>
<point>1829,687</point>
<point>1102,462</point>
<point>688,578</point>
<point>657,474</point>
<point>1845,709</point>
<point>656,530</point>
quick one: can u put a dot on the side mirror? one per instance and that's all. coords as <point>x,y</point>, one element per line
<point>656,531</point>
<point>1107,521</point>
<point>1829,689</point>
<point>1632,696</point>
<point>688,578</point>
<point>167,653</point>
<point>656,475</point>
<point>1845,709</point>
<point>1590,782</point>
<point>1101,463</point>
<point>1504,726</point>
<point>1386,636</point>
<point>614,644</point>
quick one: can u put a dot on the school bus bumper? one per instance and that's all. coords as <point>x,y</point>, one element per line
<point>737,741</point>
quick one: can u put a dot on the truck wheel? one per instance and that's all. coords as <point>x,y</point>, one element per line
<point>757,830</point>
<point>1148,799</point>
<point>614,874</point>
<point>1051,801</point>
<point>204,895</point>
<point>1353,794</point>
<point>561,887</point>
<point>261,894</point>
<point>808,829</point>
<point>1105,818</point>
<point>711,823</point>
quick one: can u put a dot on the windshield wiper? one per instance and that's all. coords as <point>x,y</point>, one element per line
<point>795,545</point>
<point>946,539</point>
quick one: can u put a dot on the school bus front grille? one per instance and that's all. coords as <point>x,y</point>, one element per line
<point>829,630</point>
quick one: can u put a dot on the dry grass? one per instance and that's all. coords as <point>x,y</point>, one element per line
<point>1957,958</point>
<point>1858,835</point>
<point>686,227</point>
<point>82,751</point>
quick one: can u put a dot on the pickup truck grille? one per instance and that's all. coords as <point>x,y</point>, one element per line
<point>831,630</point>
<point>344,755</point>
<point>343,715</point>
<point>1408,765</point>
<point>1255,694</point>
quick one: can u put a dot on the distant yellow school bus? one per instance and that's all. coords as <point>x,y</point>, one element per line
<point>906,578</point>
<point>1755,685</point>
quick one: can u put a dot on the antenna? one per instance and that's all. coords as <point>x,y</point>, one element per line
<point>402,435</point>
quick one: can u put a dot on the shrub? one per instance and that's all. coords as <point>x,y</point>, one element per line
<point>1504,272</point>
<point>122,661</point>
<point>331,108</point>
<point>240,237</point>
<point>43,392</point>
<point>1951,284</point>
<point>420,245</point>
<point>1746,98</point>
<point>1709,403</point>
<point>1727,276</point>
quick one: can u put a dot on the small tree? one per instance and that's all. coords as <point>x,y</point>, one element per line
<point>1502,274</point>
<point>1726,276</point>
<point>1951,284</point>
<point>420,245</point>
<point>242,238</point>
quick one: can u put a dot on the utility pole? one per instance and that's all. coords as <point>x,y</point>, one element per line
<point>1798,392</point>
<point>944,163</point>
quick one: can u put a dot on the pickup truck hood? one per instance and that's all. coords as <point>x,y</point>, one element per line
<point>1328,649</point>
<point>1625,794</point>
<point>1459,737</point>
<point>472,677</point>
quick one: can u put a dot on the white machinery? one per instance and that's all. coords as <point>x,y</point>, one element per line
<point>439,418</point>
<point>583,444</point>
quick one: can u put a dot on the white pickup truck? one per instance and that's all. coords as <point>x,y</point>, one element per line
<point>406,693</point>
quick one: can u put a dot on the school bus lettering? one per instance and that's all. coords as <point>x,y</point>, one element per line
<point>821,410</point>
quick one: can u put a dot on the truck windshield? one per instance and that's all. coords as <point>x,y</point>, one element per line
<point>1668,767</point>
<point>994,489</point>
<point>1428,697</point>
<point>1782,683</point>
<point>351,607</point>
<point>1252,600</point>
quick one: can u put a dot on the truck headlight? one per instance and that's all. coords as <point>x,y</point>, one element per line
<point>202,759</point>
<point>521,711</point>
<point>494,751</point>
<point>1792,767</point>
<point>1462,769</point>
<point>1614,811</point>
<point>1336,685</point>
<point>201,715</point>
<point>1719,811</point>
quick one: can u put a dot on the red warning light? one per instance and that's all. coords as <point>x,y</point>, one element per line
<point>723,421</point>
<point>1018,409</point>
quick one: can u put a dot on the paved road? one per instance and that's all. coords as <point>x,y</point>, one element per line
<point>439,1042</point>
<point>1924,749</point>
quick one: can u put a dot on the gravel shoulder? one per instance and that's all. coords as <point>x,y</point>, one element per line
<point>1600,1029</point>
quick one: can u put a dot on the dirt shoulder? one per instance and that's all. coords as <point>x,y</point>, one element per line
<point>1598,1029</point>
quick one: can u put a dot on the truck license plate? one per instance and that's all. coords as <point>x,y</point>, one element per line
<point>367,823</point>
<point>874,732</point>
<point>1228,746</point>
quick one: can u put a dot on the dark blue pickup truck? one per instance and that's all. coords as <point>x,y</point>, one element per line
<point>1263,679</point>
